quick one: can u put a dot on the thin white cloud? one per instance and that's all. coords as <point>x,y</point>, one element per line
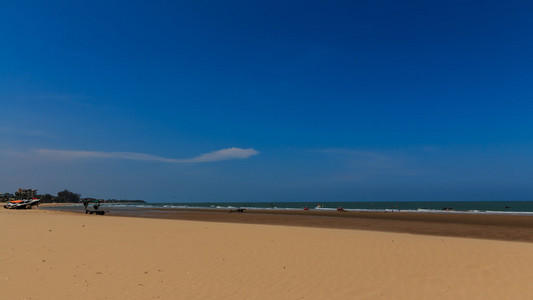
<point>219,155</point>
<point>360,164</point>
<point>17,131</point>
<point>224,154</point>
<point>355,153</point>
<point>74,100</point>
<point>58,97</point>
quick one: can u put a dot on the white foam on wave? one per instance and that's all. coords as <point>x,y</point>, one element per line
<point>274,208</point>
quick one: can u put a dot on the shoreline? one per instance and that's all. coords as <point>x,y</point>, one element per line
<point>478,226</point>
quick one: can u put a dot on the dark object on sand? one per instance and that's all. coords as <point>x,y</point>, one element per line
<point>22,204</point>
<point>93,207</point>
<point>239,210</point>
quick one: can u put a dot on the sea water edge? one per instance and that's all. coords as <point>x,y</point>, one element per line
<point>453,207</point>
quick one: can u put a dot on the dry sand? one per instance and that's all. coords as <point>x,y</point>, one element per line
<point>51,255</point>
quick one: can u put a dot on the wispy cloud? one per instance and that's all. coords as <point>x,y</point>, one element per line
<point>356,153</point>
<point>74,100</point>
<point>58,97</point>
<point>219,155</point>
<point>26,132</point>
<point>359,164</point>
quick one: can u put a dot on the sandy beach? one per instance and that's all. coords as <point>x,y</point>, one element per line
<point>53,255</point>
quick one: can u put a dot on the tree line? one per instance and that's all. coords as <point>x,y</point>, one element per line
<point>64,196</point>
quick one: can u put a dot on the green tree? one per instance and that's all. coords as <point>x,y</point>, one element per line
<point>67,196</point>
<point>47,198</point>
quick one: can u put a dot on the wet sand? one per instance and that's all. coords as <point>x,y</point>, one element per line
<point>482,226</point>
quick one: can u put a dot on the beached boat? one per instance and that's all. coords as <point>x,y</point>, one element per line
<point>22,204</point>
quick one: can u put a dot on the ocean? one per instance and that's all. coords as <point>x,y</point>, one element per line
<point>477,207</point>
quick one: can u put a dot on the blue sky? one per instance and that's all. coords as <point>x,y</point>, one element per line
<point>268,100</point>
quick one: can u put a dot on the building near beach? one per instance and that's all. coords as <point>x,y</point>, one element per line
<point>27,193</point>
